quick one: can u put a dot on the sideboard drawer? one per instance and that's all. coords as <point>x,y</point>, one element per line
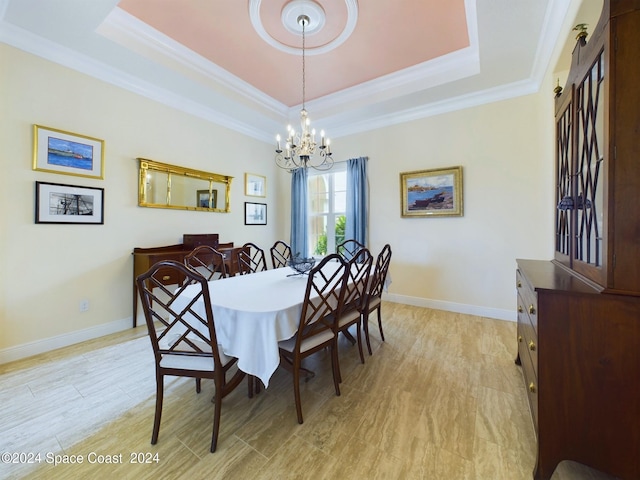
<point>527,336</point>
<point>531,382</point>
<point>528,300</point>
<point>168,276</point>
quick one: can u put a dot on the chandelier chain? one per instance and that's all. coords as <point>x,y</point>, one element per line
<point>304,22</point>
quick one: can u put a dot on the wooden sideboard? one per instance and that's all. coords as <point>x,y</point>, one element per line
<point>144,258</point>
<point>579,350</point>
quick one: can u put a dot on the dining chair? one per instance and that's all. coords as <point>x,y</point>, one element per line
<point>251,259</point>
<point>349,248</point>
<point>316,330</point>
<point>280,254</point>
<point>355,296</point>
<point>207,261</point>
<point>374,294</point>
<point>183,340</point>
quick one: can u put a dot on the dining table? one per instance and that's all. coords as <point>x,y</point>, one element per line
<point>252,313</point>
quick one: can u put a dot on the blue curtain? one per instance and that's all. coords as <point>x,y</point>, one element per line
<point>357,200</point>
<point>299,224</point>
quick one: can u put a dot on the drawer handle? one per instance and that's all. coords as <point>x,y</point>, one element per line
<point>532,387</point>
<point>166,277</point>
<point>519,308</point>
<point>532,310</point>
<point>532,346</point>
<point>519,284</point>
<point>519,338</point>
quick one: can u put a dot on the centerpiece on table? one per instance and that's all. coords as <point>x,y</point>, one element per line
<point>302,266</point>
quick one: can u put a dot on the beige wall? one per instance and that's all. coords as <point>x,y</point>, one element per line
<point>48,269</point>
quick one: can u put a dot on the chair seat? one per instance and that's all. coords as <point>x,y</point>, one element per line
<point>187,362</point>
<point>569,470</point>
<point>307,344</point>
<point>348,317</point>
<point>374,302</point>
<point>201,363</point>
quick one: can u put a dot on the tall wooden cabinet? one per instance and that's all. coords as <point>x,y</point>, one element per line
<point>579,314</point>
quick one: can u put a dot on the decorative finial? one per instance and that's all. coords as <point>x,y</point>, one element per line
<point>581,28</point>
<point>558,89</point>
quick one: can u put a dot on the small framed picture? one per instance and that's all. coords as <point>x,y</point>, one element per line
<point>255,185</point>
<point>206,200</point>
<point>57,203</point>
<point>68,153</point>
<point>432,193</point>
<point>255,213</point>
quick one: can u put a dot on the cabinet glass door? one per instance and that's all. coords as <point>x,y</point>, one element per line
<point>588,169</point>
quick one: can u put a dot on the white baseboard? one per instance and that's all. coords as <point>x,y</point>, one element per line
<point>47,344</point>
<point>497,313</point>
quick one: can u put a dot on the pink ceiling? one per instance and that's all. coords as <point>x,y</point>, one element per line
<point>389,36</point>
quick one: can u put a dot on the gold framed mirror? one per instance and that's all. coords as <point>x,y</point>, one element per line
<point>161,185</point>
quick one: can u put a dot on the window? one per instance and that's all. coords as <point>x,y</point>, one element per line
<point>327,208</point>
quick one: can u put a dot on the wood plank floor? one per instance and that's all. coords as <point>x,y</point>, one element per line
<point>440,399</point>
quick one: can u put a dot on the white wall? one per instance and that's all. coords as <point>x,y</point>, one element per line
<point>48,269</point>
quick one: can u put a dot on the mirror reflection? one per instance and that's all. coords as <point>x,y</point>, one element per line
<point>162,185</point>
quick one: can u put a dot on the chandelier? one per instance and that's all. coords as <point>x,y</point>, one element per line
<point>301,148</point>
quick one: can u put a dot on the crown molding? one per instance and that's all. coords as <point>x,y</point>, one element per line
<point>66,57</point>
<point>127,30</point>
<point>552,26</point>
<point>454,66</point>
<point>474,99</point>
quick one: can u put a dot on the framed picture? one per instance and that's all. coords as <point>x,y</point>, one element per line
<point>205,200</point>
<point>68,153</point>
<point>255,213</point>
<point>255,185</point>
<point>432,193</point>
<point>57,203</point>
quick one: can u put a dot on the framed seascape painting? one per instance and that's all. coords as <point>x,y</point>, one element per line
<point>255,185</point>
<point>57,203</point>
<point>255,213</point>
<point>431,193</point>
<point>68,153</point>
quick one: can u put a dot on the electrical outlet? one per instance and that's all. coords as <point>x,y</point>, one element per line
<point>84,305</point>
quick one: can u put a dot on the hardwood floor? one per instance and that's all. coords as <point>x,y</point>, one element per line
<point>440,399</point>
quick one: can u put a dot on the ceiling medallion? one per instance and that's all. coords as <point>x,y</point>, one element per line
<point>310,9</point>
<point>314,11</point>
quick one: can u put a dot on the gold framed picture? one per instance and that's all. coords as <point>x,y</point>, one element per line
<point>432,193</point>
<point>57,151</point>
<point>255,185</point>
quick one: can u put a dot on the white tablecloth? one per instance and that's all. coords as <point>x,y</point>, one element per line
<point>252,314</point>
